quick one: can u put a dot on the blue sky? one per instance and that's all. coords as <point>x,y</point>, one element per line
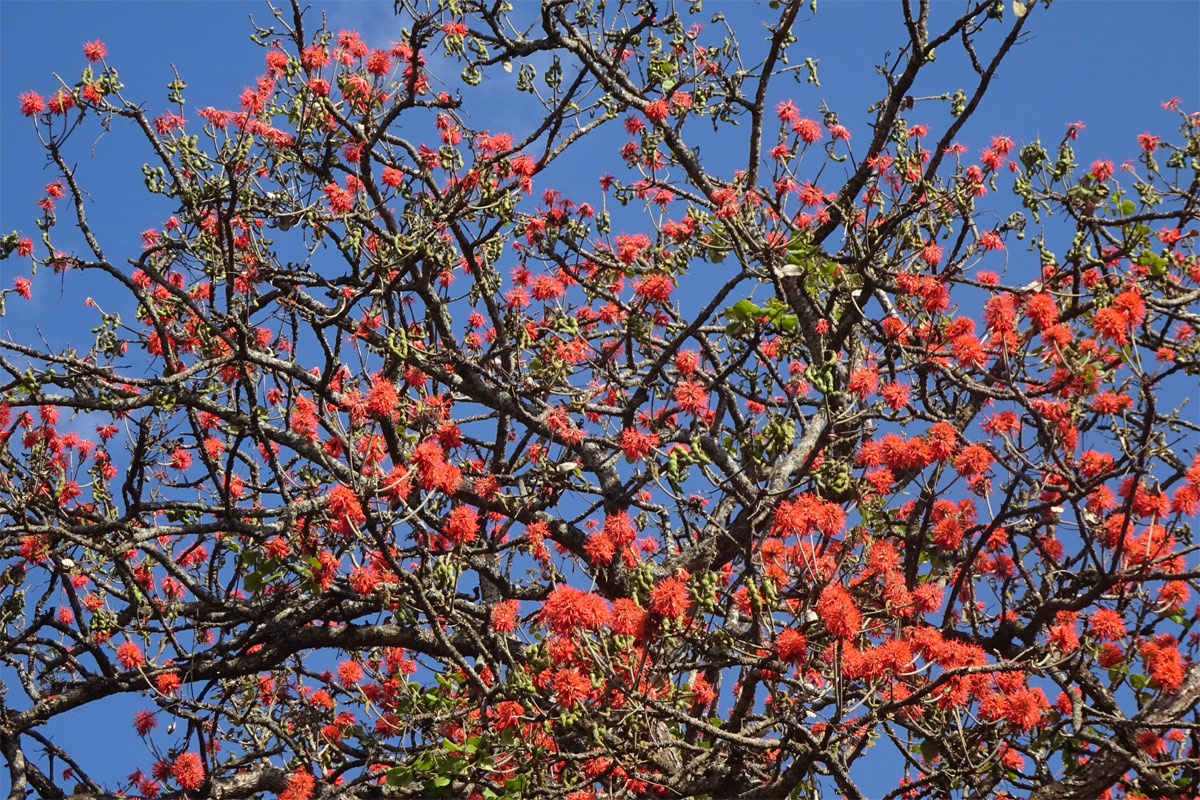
<point>1108,64</point>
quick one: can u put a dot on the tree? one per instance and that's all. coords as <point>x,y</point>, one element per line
<point>396,470</point>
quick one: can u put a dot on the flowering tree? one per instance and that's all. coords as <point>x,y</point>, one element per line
<point>404,472</point>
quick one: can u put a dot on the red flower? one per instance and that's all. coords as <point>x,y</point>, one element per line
<point>506,714</point>
<point>345,510</point>
<point>1110,323</point>
<point>990,241</point>
<point>181,459</point>
<point>144,722</point>
<point>619,529</point>
<point>687,361</point>
<point>300,786</point>
<point>1023,708</point>
<point>188,770</point>
<point>32,103</point>
<point>629,619</point>
<point>943,440</point>
<point>1164,665</point>
<point>340,200</point>
<point>22,286</point>
<point>378,63</point>
<point>807,513</point>
<point>669,597</point>
<point>599,548</point>
<point>657,110</point>
<point>567,610</point>
<point>974,459</point>
<point>462,525</point>
<point>1042,310</point>
<point>571,686</point>
<point>931,253</point>
<point>167,682</point>
<point>1131,305</point>
<point>654,287</point>
<point>381,398</point>
<point>863,382</point>
<point>1151,744</point>
<point>130,655</point>
<point>631,248</point>
<point>837,612</point>
<point>349,673</point>
<point>637,445</point>
<point>62,101</point>
<point>363,580</point>
<point>895,395</point>
<point>391,177</point>
<point>504,616</point>
<point>94,50</point>
<point>1172,596</point>
<point>1109,403</point>
<point>1011,758</point>
<point>808,130</point>
<point>791,645</point>
<point>691,397</point>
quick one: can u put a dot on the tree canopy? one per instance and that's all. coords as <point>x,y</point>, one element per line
<point>397,469</point>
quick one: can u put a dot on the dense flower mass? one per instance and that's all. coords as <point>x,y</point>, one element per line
<point>568,610</point>
<point>188,770</point>
<point>563,402</point>
<point>839,615</point>
<point>345,510</point>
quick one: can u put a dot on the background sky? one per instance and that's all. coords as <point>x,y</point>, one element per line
<point>1108,64</point>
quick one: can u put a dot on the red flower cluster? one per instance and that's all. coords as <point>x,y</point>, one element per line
<point>130,655</point>
<point>837,612</point>
<point>345,511</point>
<point>1164,664</point>
<point>567,610</point>
<point>300,785</point>
<point>188,770</point>
<point>504,616</point>
<point>669,597</point>
<point>807,513</point>
<point>462,525</point>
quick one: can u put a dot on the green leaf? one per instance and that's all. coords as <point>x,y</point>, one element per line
<point>740,315</point>
<point>399,776</point>
<point>800,249</point>
<point>742,311</point>
<point>1138,681</point>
